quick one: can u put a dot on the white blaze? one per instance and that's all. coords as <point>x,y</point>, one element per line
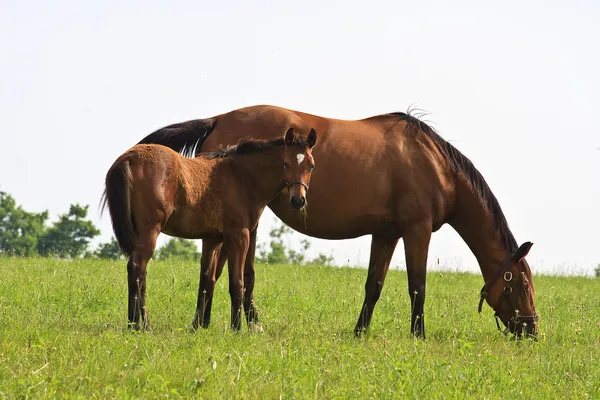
<point>300,158</point>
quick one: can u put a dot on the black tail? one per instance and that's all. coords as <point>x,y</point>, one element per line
<point>117,194</point>
<point>184,137</point>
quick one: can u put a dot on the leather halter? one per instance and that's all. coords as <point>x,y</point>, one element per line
<point>508,277</point>
<point>290,184</point>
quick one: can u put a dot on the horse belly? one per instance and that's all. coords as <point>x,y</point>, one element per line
<point>326,220</point>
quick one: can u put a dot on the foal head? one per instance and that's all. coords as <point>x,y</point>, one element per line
<point>298,164</point>
<point>511,295</point>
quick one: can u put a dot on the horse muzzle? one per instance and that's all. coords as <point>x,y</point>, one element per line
<point>298,202</point>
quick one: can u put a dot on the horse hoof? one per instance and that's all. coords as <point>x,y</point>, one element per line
<point>360,331</point>
<point>255,327</point>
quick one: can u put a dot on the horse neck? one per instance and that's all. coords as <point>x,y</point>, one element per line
<point>261,173</point>
<point>475,223</point>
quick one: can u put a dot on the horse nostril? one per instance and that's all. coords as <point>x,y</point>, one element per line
<point>298,202</point>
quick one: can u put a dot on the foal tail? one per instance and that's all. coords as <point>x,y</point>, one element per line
<point>117,194</point>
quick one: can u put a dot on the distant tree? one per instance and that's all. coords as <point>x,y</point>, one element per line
<point>277,253</point>
<point>178,248</point>
<point>597,271</point>
<point>69,236</point>
<point>108,250</point>
<point>19,230</point>
<point>322,259</point>
<point>297,257</point>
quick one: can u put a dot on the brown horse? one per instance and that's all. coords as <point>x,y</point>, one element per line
<point>217,197</point>
<point>411,182</point>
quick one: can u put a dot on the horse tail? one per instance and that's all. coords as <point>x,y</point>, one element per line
<point>184,137</point>
<point>117,194</point>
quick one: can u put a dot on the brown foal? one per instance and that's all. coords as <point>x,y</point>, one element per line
<point>217,197</point>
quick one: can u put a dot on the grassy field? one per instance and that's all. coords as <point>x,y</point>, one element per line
<point>63,335</point>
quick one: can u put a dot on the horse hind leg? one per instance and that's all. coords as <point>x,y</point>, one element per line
<point>136,278</point>
<point>382,250</point>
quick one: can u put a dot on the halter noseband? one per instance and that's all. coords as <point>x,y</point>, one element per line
<point>508,277</point>
<point>290,184</point>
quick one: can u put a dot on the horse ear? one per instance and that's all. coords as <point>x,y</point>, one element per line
<point>312,138</point>
<point>522,251</point>
<point>290,137</point>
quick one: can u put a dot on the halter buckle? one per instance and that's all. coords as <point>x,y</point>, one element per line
<point>508,276</point>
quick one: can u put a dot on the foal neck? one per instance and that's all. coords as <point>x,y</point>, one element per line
<point>261,173</point>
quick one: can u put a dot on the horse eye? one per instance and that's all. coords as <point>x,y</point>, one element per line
<point>285,165</point>
<point>312,167</point>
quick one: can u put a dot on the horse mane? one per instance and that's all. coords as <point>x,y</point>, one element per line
<point>184,137</point>
<point>250,146</point>
<point>462,165</point>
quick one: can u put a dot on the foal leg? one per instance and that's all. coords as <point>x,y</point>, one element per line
<point>382,250</point>
<point>416,246</point>
<point>210,248</point>
<point>220,261</point>
<point>217,267</point>
<point>249,307</point>
<point>136,278</point>
<point>237,246</point>
<point>211,274</point>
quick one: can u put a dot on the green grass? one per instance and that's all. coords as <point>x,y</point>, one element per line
<point>63,335</point>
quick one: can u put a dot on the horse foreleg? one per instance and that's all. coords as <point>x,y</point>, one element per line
<point>236,243</point>
<point>210,249</point>
<point>416,247</point>
<point>382,250</point>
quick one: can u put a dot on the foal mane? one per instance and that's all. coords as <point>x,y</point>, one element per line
<point>462,165</point>
<point>250,146</point>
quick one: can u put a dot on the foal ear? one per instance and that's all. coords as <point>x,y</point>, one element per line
<point>290,137</point>
<point>312,138</point>
<point>522,251</point>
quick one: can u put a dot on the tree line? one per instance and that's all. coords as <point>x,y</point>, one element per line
<point>28,234</point>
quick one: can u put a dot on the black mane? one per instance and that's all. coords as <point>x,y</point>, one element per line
<point>184,137</point>
<point>462,165</point>
<point>250,146</point>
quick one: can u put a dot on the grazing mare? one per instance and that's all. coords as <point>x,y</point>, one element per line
<point>217,197</point>
<point>410,182</point>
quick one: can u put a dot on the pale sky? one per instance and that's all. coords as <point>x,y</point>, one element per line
<point>515,86</point>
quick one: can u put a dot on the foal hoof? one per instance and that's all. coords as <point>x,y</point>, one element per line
<point>133,326</point>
